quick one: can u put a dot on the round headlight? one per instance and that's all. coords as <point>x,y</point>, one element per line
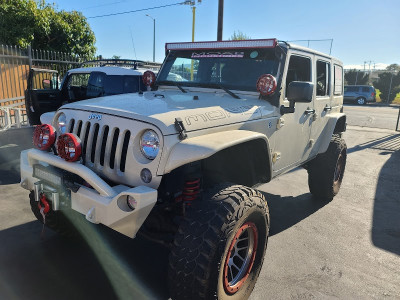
<point>61,123</point>
<point>150,144</point>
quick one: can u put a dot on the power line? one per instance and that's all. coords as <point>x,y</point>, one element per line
<point>104,4</point>
<point>137,10</point>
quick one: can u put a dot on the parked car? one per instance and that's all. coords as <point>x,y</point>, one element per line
<point>359,94</point>
<point>180,162</point>
<point>102,78</point>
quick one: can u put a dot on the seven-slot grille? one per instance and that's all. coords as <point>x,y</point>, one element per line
<point>102,146</point>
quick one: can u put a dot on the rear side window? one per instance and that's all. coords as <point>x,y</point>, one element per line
<point>299,69</point>
<point>338,80</point>
<point>352,89</point>
<point>366,89</point>
<point>323,78</point>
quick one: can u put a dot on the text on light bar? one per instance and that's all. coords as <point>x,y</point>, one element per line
<point>270,43</point>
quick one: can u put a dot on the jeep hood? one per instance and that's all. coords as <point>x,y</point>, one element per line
<point>162,107</point>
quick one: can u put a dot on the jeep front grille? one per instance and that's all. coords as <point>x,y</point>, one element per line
<point>102,146</point>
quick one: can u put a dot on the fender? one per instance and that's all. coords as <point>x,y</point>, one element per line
<point>201,147</point>
<point>336,124</point>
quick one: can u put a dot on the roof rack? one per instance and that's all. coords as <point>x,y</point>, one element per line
<point>130,63</point>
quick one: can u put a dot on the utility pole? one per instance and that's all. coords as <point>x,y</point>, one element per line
<point>220,19</point>
<point>154,37</point>
<point>390,88</point>
<point>192,3</point>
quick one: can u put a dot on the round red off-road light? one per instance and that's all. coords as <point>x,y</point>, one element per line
<point>149,78</point>
<point>69,147</point>
<point>44,136</point>
<point>266,84</point>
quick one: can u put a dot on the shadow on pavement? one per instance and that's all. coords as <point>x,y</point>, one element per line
<point>390,142</point>
<point>62,268</point>
<point>12,142</point>
<point>386,216</point>
<point>286,212</point>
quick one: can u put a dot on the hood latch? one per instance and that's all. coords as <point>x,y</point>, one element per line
<point>180,128</point>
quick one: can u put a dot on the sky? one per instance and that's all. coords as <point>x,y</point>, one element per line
<point>362,30</point>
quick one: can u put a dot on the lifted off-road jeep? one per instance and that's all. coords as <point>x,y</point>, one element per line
<point>178,163</point>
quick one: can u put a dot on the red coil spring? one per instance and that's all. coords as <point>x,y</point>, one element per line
<point>191,190</point>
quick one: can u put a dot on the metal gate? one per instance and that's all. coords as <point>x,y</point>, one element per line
<point>15,63</point>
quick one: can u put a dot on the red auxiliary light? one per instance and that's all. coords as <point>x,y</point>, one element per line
<point>44,136</point>
<point>149,78</point>
<point>69,147</point>
<point>266,84</point>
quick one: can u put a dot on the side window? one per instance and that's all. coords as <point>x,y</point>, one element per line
<point>80,80</point>
<point>323,78</point>
<point>365,89</point>
<point>299,69</point>
<point>338,81</point>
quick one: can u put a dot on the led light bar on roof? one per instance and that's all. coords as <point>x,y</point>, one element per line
<point>270,43</point>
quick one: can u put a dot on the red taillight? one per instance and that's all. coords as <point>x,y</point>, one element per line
<point>69,147</point>
<point>372,94</point>
<point>266,84</point>
<point>44,136</point>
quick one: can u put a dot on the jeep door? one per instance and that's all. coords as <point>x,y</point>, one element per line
<point>42,93</point>
<point>293,131</point>
<point>322,104</point>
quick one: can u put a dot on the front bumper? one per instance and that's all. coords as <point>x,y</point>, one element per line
<point>102,203</point>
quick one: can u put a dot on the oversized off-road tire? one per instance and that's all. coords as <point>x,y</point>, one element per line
<point>55,220</point>
<point>220,245</point>
<point>325,172</point>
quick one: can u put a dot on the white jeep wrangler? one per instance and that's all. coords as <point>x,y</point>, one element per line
<point>178,163</point>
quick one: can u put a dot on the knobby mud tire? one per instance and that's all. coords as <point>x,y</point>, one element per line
<point>205,237</point>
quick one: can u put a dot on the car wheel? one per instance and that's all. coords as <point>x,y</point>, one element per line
<point>219,248</point>
<point>361,101</point>
<point>325,172</point>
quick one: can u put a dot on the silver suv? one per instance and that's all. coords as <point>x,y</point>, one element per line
<point>359,94</point>
<point>179,163</point>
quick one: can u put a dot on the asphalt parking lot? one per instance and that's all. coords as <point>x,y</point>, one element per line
<point>348,248</point>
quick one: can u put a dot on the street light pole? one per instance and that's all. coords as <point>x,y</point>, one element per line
<point>154,37</point>
<point>220,19</point>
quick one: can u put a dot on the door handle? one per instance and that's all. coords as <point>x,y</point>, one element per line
<point>309,111</point>
<point>327,108</point>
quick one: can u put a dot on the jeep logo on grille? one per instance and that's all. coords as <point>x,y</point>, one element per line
<point>95,117</point>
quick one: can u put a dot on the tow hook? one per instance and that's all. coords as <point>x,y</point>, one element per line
<point>46,205</point>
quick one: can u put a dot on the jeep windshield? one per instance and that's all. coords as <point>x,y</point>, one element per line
<point>221,68</point>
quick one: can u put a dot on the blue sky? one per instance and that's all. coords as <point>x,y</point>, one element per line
<point>362,30</point>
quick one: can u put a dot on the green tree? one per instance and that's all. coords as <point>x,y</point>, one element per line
<point>27,22</point>
<point>116,56</point>
<point>393,67</point>
<point>386,81</point>
<point>354,77</point>
<point>239,36</point>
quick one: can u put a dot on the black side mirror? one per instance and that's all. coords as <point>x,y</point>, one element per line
<point>300,91</point>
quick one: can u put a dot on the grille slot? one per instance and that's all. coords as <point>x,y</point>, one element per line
<point>114,147</point>
<point>124,150</point>
<point>79,128</point>
<point>85,140</point>
<point>103,145</point>
<point>71,125</point>
<point>94,142</point>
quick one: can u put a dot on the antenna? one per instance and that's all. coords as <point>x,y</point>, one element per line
<point>133,44</point>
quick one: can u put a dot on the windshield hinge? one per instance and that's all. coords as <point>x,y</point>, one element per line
<point>180,128</point>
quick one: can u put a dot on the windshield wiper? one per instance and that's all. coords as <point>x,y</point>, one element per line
<point>174,83</point>
<point>179,87</point>
<point>229,92</point>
